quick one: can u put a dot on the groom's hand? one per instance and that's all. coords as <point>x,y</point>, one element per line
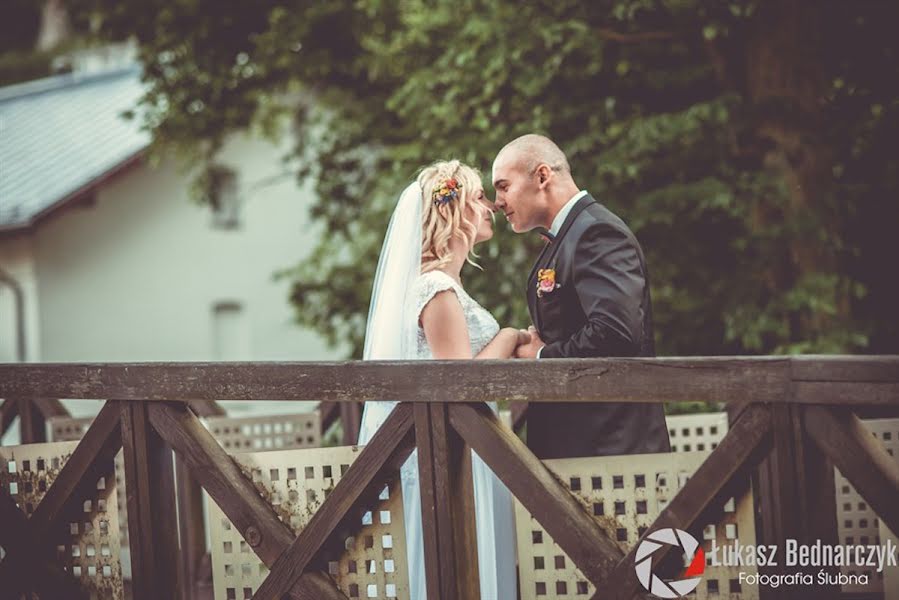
<point>530,349</point>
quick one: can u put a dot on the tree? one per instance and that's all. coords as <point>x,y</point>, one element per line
<point>750,145</point>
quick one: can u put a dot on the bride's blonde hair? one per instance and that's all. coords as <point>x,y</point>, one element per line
<point>441,221</point>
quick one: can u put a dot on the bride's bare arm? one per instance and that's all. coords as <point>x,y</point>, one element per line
<point>445,328</point>
<point>504,343</point>
<point>447,332</point>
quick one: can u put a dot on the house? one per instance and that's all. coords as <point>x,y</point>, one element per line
<point>104,256</point>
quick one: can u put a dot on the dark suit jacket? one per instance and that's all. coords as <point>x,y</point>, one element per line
<point>602,307</point>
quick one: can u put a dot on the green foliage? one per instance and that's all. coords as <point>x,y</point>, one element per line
<point>654,101</point>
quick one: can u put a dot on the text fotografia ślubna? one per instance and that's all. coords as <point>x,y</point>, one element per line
<point>803,555</point>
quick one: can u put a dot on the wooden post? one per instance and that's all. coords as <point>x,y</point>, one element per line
<point>152,517</point>
<point>9,409</point>
<point>447,498</point>
<point>32,425</point>
<point>795,498</point>
<point>235,494</point>
<point>191,529</point>
<point>350,420</point>
<point>196,567</point>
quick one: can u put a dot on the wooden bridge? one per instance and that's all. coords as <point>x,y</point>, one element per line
<point>791,421</point>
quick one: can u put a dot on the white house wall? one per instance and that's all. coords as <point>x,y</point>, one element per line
<point>136,275</point>
<point>17,261</point>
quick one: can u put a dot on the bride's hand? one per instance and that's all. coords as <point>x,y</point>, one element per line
<point>524,337</point>
<point>521,336</point>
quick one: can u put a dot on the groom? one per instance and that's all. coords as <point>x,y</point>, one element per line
<point>588,295</point>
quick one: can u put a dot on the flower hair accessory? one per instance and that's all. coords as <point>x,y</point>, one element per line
<point>448,190</point>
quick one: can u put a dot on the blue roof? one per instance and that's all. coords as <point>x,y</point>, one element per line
<point>61,135</point>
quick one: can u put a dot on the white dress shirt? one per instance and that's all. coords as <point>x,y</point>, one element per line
<point>557,223</point>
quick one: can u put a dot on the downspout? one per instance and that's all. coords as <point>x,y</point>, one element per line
<point>19,299</point>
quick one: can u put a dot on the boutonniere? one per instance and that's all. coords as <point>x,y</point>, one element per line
<point>546,282</point>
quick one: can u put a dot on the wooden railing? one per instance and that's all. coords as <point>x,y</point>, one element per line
<point>791,419</point>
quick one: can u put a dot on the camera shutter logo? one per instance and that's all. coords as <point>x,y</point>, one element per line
<point>691,576</point>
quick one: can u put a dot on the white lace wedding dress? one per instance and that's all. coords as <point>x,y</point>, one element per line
<point>493,502</point>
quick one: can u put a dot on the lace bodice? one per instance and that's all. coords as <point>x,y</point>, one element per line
<point>482,327</point>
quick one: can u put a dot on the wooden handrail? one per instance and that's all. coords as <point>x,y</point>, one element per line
<point>804,380</point>
<point>790,416</point>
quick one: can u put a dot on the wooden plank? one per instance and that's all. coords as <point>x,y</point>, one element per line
<point>32,426</point>
<point>92,458</point>
<point>793,504</point>
<point>861,458</point>
<point>519,415</point>
<point>51,407</point>
<point>738,453</point>
<point>9,410</point>
<point>206,408</point>
<point>329,412</point>
<point>191,529</point>
<point>379,461</point>
<point>424,447</point>
<point>350,420</point>
<point>845,368</point>
<point>847,393</point>
<point>30,572</point>
<point>235,494</point>
<point>453,483</point>
<point>571,380</point>
<point>152,515</point>
<point>537,489</point>
<point>817,501</point>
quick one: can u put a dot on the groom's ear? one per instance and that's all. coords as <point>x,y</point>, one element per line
<point>543,174</point>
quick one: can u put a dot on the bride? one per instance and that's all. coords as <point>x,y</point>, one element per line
<point>420,310</point>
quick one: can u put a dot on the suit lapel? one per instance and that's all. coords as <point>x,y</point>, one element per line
<point>579,206</point>
<point>547,255</point>
<point>532,290</point>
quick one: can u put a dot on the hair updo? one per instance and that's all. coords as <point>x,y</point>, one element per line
<point>443,221</point>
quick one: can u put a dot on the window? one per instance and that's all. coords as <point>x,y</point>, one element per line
<point>222,192</point>
<point>231,332</point>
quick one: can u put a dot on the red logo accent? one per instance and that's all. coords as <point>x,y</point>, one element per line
<point>697,567</point>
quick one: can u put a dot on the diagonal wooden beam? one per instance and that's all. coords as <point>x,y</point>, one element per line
<point>91,459</point>
<point>738,453</point>
<point>9,410</point>
<point>859,456</point>
<point>206,408</point>
<point>49,580</point>
<point>235,494</point>
<point>51,407</point>
<point>45,577</point>
<point>563,517</point>
<point>380,460</point>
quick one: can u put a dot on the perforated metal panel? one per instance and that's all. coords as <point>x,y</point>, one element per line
<point>625,494</point>
<point>696,431</point>
<point>87,548</point>
<point>67,429</point>
<point>272,432</point>
<point>858,524</point>
<point>296,483</point>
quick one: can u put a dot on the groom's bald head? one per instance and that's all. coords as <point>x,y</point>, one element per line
<point>529,151</point>
<point>533,181</point>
